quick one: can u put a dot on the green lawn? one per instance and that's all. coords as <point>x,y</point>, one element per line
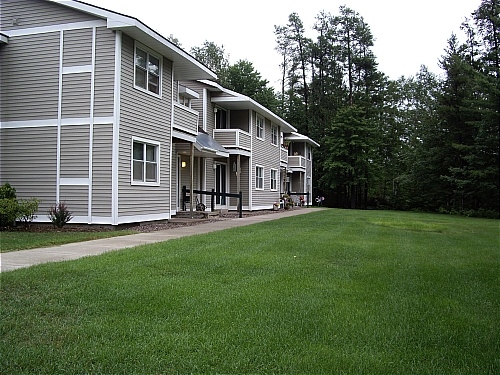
<point>330,292</point>
<point>21,240</point>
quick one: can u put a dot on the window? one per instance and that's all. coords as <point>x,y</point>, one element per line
<point>274,135</point>
<point>260,127</point>
<point>274,179</point>
<point>259,178</point>
<point>145,162</point>
<point>147,71</point>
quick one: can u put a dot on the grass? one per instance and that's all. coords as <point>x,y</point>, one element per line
<point>332,292</point>
<point>21,240</point>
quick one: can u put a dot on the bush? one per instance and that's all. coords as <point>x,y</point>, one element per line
<point>59,214</point>
<point>27,209</point>
<point>11,209</point>
<point>8,212</point>
<point>7,191</point>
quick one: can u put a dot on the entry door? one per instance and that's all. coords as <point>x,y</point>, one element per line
<point>221,182</point>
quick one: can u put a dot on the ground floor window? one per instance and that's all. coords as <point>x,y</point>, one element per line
<point>259,178</point>
<point>145,166</point>
<point>274,179</point>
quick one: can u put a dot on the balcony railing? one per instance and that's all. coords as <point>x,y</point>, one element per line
<point>185,119</point>
<point>233,138</point>
<point>284,154</point>
<point>296,161</point>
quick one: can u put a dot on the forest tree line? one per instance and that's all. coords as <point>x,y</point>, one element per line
<point>423,142</point>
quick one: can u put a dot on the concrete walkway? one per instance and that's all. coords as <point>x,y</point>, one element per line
<point>26,258</point>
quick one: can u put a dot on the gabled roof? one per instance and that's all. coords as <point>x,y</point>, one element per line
<point>236,101</point>
<point>186,67</point>
<point>300,138</point>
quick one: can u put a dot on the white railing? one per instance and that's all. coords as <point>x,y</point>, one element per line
<point>185,119</point>
<point>296,161</point>
<point>233,138</point>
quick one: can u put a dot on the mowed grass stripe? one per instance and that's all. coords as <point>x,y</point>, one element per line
<point>327,292</point>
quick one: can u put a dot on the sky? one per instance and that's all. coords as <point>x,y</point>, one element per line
<point>408,33</point>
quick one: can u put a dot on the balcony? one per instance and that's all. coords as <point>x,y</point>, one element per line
<point>297,163</point>
<point>233,139</point>
<point>283,155</point>
<point>185,119</point>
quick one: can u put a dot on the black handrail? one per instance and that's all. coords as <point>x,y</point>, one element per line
<point>213,193</point>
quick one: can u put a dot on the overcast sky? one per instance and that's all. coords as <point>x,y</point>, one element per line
<point>407,33</point>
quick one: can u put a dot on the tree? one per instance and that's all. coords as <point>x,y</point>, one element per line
<point>347,161</point>
<point>295,49</point>
<point>244,79</point>
<point>214,57</point>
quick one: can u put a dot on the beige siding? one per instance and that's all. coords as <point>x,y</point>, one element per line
<point>185,119</point>
<point>28,163</point>
<point>76,199</point>
<point>29,70</point>
<point>101,170</point>
<point>104,73</point>
<point>76,95</point>
<point>145,116</point>
<point>266,155</point>
<point>75,151</point>
<point>77,48</point>
<point>36,13</point>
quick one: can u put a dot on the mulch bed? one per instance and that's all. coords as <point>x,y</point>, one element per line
<point>138,227</point>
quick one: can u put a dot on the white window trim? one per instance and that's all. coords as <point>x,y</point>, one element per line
<point>275,133</point>
<point>262,178</point>
<point>157,148</point>
<point>263,127</point>
<point>276,179</point>
<point>160,59</point>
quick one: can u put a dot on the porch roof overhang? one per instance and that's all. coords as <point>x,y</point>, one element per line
<point>296,137</point>
<point>4,39</point>
<point>204,146</point>
<point>235,101</point>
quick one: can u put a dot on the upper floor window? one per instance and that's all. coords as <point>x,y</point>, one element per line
<point>145,164</point>
<point>259,178</point>
<point>260,127</point>
<point>274,135</point>
<point>147,71</point>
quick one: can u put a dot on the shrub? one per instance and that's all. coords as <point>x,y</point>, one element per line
<point>59,214</point>
<point>27,209</point>
<point>7,191</point>
<point>8,212</point>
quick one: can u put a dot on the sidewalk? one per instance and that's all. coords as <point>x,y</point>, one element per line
<point>26,258</point>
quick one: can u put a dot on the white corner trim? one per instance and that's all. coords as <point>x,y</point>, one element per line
<point>116,129</point>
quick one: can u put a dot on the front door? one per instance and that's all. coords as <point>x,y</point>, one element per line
<point>221,183</point>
